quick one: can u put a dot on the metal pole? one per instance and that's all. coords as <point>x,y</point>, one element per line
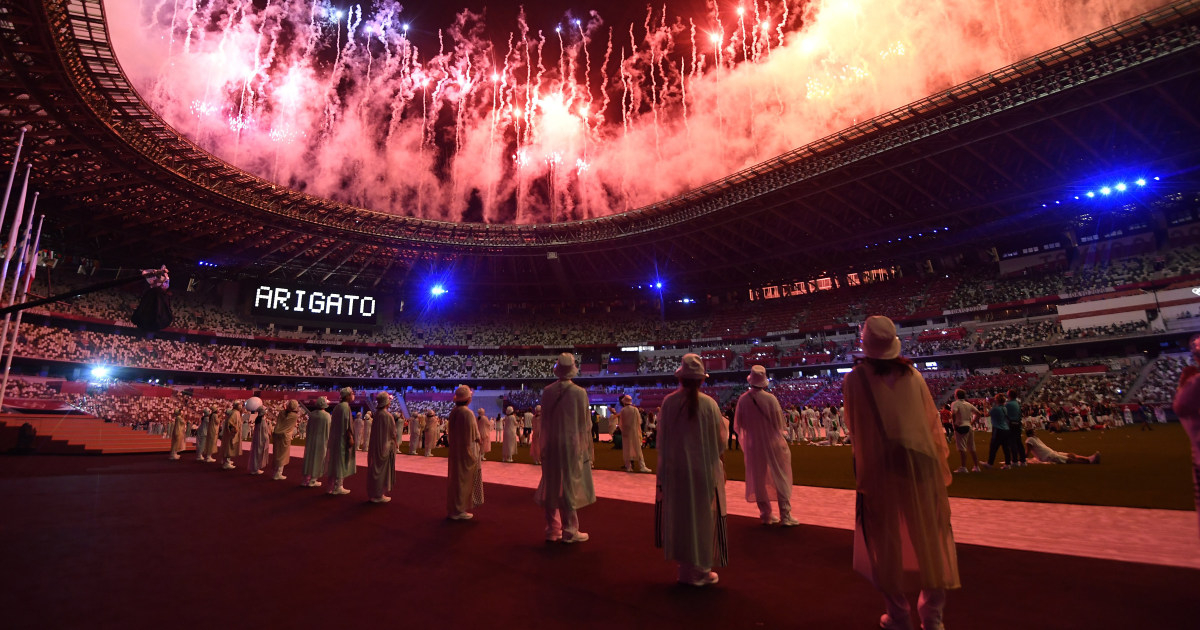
<point>30,271</point>
<point>16,227</point>
<point>12,176</point>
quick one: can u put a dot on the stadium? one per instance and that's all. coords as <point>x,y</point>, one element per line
<point>369,202</point>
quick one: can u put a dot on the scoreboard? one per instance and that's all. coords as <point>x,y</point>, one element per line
<point>313,306</point>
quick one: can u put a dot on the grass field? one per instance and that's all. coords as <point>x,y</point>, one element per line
<point>1139,469</point>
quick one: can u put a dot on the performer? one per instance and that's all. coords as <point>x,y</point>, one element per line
<point>631,435</point>
<point>485,435</point>
<point>381,452</point>
<point>415,431</point>
<point>690,510</point>
<point>214,429</point>
<point>566,483</point>
<point>902,536</point>
<point>759,421</point>
<point>316,436</point>
<point>231,438</point>
<point>359,438</point>
<point>367,419</point>
<point>464,483</point>
<point>432,430</point>
<point>340,463</point>
<point>281,437</point>
<point>202,435</point>
<point>510,434</point>
<point>261,441</point>
<point>534,420</point>
<point>179,430</point>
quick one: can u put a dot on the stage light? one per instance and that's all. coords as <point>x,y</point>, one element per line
<point>1106,190</point>
<point>1140,182</point>
<point>1076,197</point>
<point>406,26</point>
<point>1120,186</point>
<point>100,371</point>
<point>337,14</point>
<point>657,285</point>
<point>1155,179</point>
<point>1090,194</point>
<point>438,290</point>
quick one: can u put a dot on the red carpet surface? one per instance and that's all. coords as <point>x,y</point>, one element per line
<point>136,541</point>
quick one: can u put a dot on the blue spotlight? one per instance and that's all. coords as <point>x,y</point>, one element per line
<point>1105,191</point>
<point>657,285</point>
<point>100,371</point>
<point>1090,194</point>
<point>1121,186</point>
<point>438,290</point>
<point>1155,179</point>
<point>1140,181</point>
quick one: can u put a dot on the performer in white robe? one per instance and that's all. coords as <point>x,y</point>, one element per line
<point>340,447</point>
<point>902,538</point>
<point>630,420</point>
<point>202,435</point>
<point>367,421</point>
<point>381,451</point>
<point>415,431</point>
<point>214,431</point>
<point>759,422</point>
<point>510,434</point>
<point>281,437</point>
<point>566,450</point>
<point>690,509</point>
<point>433,429</point>
<point>231,436</point>
<point>535,420</point>
<point>316,437</point>
<point>359,441</point>
<point>179,429</point>
<point>462,459</point>
<point>485,434</point>
<point>261,442</point>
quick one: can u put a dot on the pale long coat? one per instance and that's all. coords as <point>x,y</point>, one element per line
<point>414,433</point>
<point>510,436</point>
<point>902,537</point>
<point>202,435</point>
<point>462,462</point>
<point>381,455</point>
<point>566,448</point>
<point>315,439</point>
<point>691,480</point>
<point>768,459</point>
<point>485,425</point>
<point>281,437</point>
<point>340,462</point>
<point>179,434</point>
<point>433,424</point>
<point>259,453</point>
<point>631,434</point>
<point>214,431</point>
<point>231,440</point>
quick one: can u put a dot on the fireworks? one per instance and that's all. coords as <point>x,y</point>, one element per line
<point>646,110</point>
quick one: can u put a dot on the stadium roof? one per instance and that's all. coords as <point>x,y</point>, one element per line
<point>974,162</point>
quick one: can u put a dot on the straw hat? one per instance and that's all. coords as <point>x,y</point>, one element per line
<point>565,366</point>
<point>758,377</point>
<point>462,393</point>
<point>508,410</point>
<point>879,340</point>
<point>691,366</point>
<point>382,399</point>
<point>345,393</point>
<point>321,403</point>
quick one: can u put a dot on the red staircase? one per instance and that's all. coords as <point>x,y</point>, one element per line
<point>79,435</point>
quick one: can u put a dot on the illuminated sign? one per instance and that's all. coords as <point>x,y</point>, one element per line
<point>339,307</point>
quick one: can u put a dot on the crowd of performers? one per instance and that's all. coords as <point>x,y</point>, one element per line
<point>903,539</point>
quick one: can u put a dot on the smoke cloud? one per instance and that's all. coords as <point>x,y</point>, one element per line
<point>584,120</point>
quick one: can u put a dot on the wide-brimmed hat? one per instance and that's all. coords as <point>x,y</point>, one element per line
<point>565,366</point>
<point>879,340</point>
<point>462,393</point>
<point>321,403</point>
<point>293,404</point>
<point>758,376</point>
<point>382,399</point>
<point>624,396</point>
<point>691,366</point>
<point>508,409</point>
<point>346,392</point>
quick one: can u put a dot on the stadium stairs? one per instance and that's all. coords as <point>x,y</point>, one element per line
<point>1135,390</point>
<point>78,435</point>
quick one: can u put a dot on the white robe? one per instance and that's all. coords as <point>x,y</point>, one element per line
<point>631,435</point>
<point>510,436</point>
<point>566,448</point>
<point>759,423</point>
<point>691,481</point>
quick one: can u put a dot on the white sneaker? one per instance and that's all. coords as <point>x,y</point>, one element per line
<point>339,491</point>
<point>383,499</point>
<point>643,469</point>
<point>976,469</point>
<point>770,520</point>
<point>461,516</point>
<point>788,521</point>
<point>961,469</point>
<point>575,537</point>
<point>710,578</point>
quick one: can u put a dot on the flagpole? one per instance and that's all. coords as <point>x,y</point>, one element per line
<point>16,228</point>
<point>12,176</point>
<point>30,271</point>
